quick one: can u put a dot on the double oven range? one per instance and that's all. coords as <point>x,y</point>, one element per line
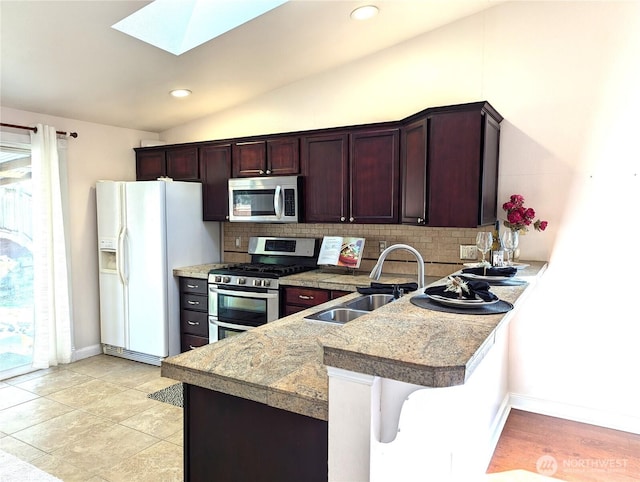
<point>246,295</point>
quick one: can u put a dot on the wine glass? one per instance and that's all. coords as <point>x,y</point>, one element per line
<point>510,244</point>
<point>484,240</point>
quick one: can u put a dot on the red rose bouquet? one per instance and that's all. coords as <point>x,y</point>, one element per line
<point>519,217</point>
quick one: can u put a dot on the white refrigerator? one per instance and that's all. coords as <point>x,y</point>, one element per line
<point>145,230</point>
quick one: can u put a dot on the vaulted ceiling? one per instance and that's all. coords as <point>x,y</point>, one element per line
<point>63,58</point>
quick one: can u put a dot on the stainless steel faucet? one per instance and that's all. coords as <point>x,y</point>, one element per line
<point>377,269</point>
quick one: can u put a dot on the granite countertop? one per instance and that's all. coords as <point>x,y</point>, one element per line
<point>327,279</point>
<point>200,271</point>
<point>283,363</point>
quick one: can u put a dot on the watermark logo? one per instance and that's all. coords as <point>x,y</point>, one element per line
<point>547,465</point>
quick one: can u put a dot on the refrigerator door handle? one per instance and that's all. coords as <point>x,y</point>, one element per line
<point>122,257</point>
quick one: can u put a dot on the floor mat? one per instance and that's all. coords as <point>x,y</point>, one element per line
<point>172,394</point>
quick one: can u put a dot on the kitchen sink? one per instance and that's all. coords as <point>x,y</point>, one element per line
<point>351,309</point>
<point>369,302</point>
<point>337,315</point>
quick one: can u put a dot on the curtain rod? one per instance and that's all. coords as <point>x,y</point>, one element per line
<point>35,129</point>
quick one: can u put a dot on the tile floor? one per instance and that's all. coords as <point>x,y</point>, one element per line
<point>92,421</point>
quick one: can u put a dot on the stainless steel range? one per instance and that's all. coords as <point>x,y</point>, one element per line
<point>246,295</point>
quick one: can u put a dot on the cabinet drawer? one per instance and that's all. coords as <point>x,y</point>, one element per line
<point>191,342</point>
<point>193,302</point>
<point>193,285</point>
<point>194,322</point>
<point>305,296</point>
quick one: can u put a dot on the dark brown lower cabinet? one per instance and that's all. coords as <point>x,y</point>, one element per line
<point>232,439</point>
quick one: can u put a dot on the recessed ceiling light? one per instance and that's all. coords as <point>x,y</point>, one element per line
<point>364,13</point>
<point>180,92</point>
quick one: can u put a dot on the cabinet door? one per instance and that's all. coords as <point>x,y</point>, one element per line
<point>325,171</point>
<point>249,159</point>
<point>374,167</point>
<point>182,164</point>
<point>215,168</point>
<point>455,159</point>
<point>283,156</point>
<point>150,165</point>
<point>296,299</point>
<point>489,206</point>
<point>413,157</point>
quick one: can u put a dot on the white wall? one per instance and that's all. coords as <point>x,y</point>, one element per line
<point>99,152</point>
<point>565,76</point>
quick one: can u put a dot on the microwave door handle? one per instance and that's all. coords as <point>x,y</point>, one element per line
<point>277,202</point>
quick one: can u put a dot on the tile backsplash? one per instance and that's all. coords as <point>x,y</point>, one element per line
<point>440,247</point>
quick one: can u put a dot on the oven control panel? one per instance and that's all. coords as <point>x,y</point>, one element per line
<point>230,280</point>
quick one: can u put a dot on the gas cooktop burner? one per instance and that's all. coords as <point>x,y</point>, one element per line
<point>262,269</point>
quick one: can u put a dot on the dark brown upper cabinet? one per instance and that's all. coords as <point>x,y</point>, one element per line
<point>413,153</point>
<point>351,177</point>
<point>374,176</point>
<point>324,162</point>
<point>178,163</point>
<point>449,162</point>
<point>182,164</point>
<point>438,167</point>
<point>150,165</point>
<point>271,157</point>
<point>215,169</point>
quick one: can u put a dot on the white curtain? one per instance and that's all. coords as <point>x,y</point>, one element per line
<point>52,318</point>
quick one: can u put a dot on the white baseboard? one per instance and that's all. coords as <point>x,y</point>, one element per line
<point>86,352</point>
<point>498,424</point>
<point>601,418</point>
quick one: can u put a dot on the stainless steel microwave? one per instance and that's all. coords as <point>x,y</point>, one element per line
<point>264,199</point>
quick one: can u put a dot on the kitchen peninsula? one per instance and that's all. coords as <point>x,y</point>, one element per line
<point>289,368</point>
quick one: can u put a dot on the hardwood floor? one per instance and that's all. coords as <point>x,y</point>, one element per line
<point>566,450</point>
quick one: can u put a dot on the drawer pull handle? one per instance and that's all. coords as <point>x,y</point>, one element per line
<point>193,323</point>
<point>192,286</point>
<point>193,302</point>
<point>305,297</point>
<point>191,347</point>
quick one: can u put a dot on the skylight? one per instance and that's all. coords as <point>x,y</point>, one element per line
<point>181,25</point>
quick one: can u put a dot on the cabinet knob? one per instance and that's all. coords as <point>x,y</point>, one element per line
<point>268,171</point>
<point>351,219</point>
<point>191,347</point>
<point>342,219</point>
<point>420,220</point>
<point>261,171</point>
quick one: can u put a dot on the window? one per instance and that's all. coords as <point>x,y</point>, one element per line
<point>16,260</point>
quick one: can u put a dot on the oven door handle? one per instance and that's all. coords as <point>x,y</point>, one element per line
<point>244,294</point>
<point>231,326</point>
